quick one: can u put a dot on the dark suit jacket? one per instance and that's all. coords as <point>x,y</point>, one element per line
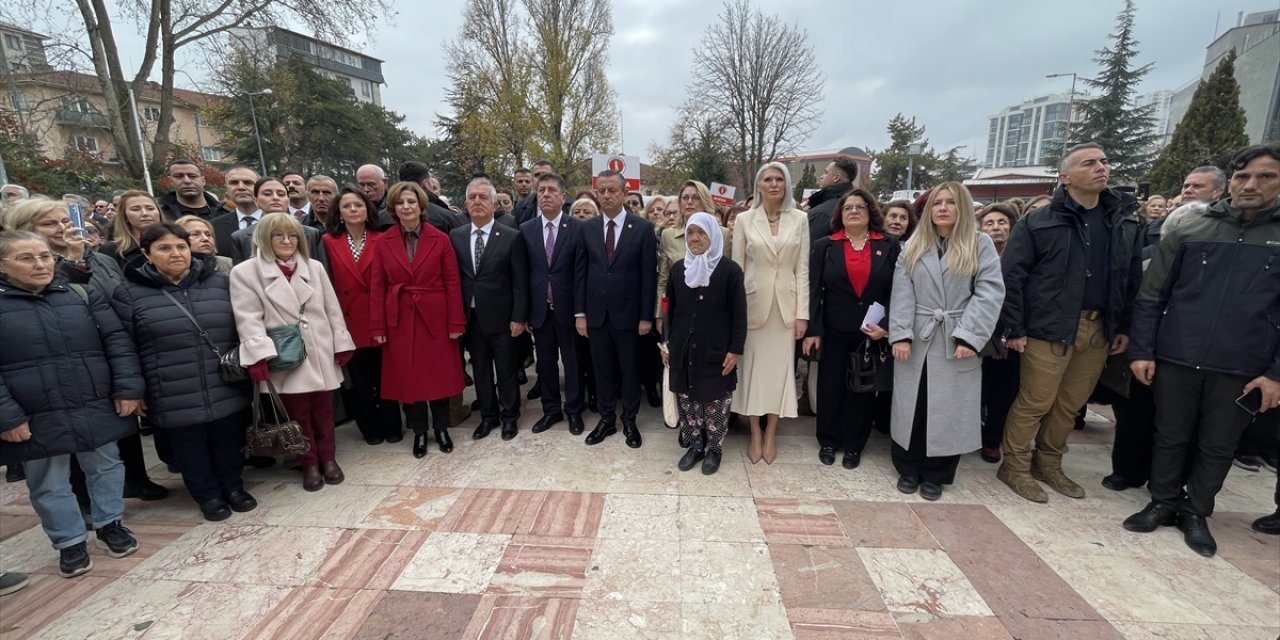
<point>242,245</point>
<point>832,301</point>
<point>499,285</point>
<point>567,271</point>
<point>443,219</point>
<point>623,290</point>
<point>223,227</point>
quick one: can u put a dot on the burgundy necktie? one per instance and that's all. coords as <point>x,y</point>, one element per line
<point>550,247</point>
<point>609,240</point>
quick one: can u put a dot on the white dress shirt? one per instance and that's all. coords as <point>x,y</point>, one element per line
<point>619,222</point>
<point>555,224</point>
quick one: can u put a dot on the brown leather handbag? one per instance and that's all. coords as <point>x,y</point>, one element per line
<point>278,437</point>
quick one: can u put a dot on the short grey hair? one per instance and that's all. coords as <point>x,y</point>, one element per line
<point>10,238</point>
<point>322,178</point>
<point>1219,176</point>
<point>284,223</point>
<point>1063,165</point>
<point>382,174</point>
<point>1185,213</point>
<point>493,191</point>
<point>21,189</point>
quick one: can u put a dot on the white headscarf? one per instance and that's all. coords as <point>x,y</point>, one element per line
<point>698,269</point>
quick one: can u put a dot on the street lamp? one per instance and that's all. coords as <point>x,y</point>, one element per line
<point>914,149</point>
<point>1071,100</point>
<point>253,113</point>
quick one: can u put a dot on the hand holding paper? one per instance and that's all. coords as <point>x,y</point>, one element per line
<point>874,315</point>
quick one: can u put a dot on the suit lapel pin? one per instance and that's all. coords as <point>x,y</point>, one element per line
<point>879,253</point>
<point>628,225</point>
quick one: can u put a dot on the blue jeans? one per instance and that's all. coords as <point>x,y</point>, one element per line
<point>49,481</point>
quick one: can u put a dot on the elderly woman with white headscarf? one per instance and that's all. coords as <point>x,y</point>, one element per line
<point>707,322</point>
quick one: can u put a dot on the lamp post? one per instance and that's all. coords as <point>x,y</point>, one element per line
<point>253,113</point>
<point>1071,100</point>
<point>914,149</point>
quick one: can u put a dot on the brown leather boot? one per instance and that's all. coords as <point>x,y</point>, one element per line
<point>1048,469</point>
<point>332,472</point>
<point>311,478</point>
<point>1021,482</point>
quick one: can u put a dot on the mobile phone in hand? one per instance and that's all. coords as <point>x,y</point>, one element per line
<point>1251,402</point>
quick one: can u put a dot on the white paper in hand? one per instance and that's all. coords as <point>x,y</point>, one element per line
<point>874,315</point>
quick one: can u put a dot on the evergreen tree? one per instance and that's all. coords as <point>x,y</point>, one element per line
<point>891,163</point>
<point>1123,130</point>
<point>808,180</point>
<point>1210,132</point>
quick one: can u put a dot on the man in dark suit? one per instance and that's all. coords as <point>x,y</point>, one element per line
<point>239,181</point>
<point>622,276</point>
<point>557,296</point>
<point>495,281</point>
<point>242,244</point>
<point>527,208</point>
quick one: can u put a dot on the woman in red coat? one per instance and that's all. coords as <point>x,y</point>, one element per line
<point>350,243</point>
<point>416,310</point>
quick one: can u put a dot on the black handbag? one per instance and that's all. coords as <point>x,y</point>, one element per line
<point>229,369</point>
<point>275,438</point>
<point>870,368</point>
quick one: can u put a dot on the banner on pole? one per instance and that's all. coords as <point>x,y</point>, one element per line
<point>722,193</point>
<point>628,166</point>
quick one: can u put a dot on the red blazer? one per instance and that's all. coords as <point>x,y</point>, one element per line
<point>416,306</point>
<point>351,283</point>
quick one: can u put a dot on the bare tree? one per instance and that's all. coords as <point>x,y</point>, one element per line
<point>528,79</point>
<point>170,25</point>
<point>761,77</point>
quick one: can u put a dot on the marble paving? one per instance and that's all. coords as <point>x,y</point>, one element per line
<point>545,538</point>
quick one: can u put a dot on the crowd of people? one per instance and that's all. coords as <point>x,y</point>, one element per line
<point>951,326</point>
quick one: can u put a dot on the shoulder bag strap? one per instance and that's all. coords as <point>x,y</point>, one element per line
<point>183,309</point>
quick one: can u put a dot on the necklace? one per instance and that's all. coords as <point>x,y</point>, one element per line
<point>853,242</point>
<point>356,248</point>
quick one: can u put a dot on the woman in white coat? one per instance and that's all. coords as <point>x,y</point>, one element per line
<point>279,286</point>
<point>947,294</point>
<point>772,247</point>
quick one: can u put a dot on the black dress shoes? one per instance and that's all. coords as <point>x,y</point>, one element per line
<point>534,393</point>
<point>509,430</point>
<point>546,422</point>
<point>575,424</point>
<point>1195,532</point>
<point>603,430</point>
<point>147,491</point>
<point>395,437</point>
<point>827,455</point>
<point>1117,482</point>
<point>1155,514</point>
<point>443,439</point>
<point>241,501</point>
<point>851,459</point>
<point>632,433</point>
<point>1269,525</point>
<point>691,457</point>
<point>374,441</point>
<point>908,484</point>
<point>930,490</point>
<point>483,430</point>
<point>711,463</point>
<point>655,397</point>
<point>419,445</point>
<point>215,510</point>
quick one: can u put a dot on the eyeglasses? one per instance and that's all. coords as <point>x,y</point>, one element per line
<point>30,260</point>
<point>282,237</point>
<point>857,207</point>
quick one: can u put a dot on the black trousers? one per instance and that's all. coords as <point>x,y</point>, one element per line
<point>556,342</point>
<point>375,416</point>
<point>913,461</point>
<point>615,355</point>
<point>586,368</point>
<point>1196,415</point>
<point>844,417</point>
<point>882,410</point>
<point>490,353</point>
<point>1135,432</point>
<point>210,457</point>
<point>650,361</point>
<point>999,389</point>
<point>416,414</point>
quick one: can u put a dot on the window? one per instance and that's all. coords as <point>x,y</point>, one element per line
<point>12,42</point>
<point>76,103</point>
<point>211,155</point>
<point>366,88</point>
<point>19,101</point>
<point>199,120</point>
<point>87,144</point>
<point>151,114</point>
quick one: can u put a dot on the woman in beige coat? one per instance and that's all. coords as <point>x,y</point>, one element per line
<point>281,285</point>
<point>771,244</point>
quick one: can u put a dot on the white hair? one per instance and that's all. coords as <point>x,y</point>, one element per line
<point>1185,213</point>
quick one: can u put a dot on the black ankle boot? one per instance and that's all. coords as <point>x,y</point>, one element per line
<point>419,445</point>
<point>443,439</point>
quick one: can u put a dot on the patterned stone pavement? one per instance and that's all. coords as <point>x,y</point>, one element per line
<point>543,537</point>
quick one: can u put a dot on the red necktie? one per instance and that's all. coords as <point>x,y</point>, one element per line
<point>609,240</point>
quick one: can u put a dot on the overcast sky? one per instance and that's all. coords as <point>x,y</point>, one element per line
<point>947,63</point>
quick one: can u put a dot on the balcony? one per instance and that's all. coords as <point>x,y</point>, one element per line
<point>73,118</point>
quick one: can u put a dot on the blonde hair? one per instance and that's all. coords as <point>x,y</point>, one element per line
<point>123,232</point>
<point>271,223</point>
<point>182,222</point>
<point>962,243</point>
<point>589,202</point>
<point>648,209</point>
<point>21,215</point>
<point>757,198</point>
<point>704,194</point>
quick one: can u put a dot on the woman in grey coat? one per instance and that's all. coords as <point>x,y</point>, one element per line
<point>947,293</point>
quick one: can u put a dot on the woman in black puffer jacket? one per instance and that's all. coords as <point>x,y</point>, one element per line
<point>185,396</point>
